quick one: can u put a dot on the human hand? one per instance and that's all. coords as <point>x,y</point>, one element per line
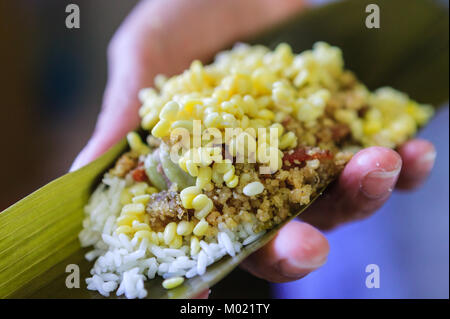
<point>164,37</point>
<point>365,184</point>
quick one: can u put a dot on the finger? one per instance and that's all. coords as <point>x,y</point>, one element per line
<point>111,128</point>
<point>104,138</point>
<point>418,157</point>
<point>203,295</point>
<point>119,113</point>
<point>363,186</point>
<point>297,250</point>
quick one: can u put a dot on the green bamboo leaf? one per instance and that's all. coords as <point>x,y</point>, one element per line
<point>42,229</point>
<point>39,234</point>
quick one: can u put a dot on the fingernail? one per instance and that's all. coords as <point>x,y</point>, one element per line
<point>428,158</point>
<point>84,157</point>
<point>379,183</point>
<point>77,163</point>
<point>297,269</point>
<point>203,295</point>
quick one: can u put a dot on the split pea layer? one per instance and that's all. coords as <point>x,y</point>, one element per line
<point>305,171</point>
<point>324,149</point>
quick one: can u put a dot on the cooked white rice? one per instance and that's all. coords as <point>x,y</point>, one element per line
<point>123,265</point>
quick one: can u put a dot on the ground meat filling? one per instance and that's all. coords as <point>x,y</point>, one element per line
<point>126,163</point>
<point>165,207</point>
<point>299,156</point>
<point>306,172</point>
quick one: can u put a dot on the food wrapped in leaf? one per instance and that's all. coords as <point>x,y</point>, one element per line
<point>232,150</point>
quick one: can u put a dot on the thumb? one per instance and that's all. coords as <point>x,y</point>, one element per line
<point>118,116</point>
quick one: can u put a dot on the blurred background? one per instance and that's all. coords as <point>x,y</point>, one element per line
<point>52,83</point>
